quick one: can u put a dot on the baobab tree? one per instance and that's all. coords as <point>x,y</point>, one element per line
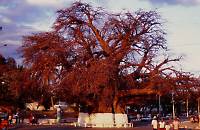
<point>99,59</point>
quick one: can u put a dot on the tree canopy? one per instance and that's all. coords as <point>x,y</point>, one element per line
<point>10,82</point>
<point>99,59</point>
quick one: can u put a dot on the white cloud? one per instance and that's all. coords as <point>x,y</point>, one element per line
<point>5,19</point>
<point>174,2</point>
<point>188,2</point>
<point>130,5</point>
<point>47,3</point>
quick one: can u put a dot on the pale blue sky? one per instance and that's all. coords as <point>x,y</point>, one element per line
<point>22,17</point>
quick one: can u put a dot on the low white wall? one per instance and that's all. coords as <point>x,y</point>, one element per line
<point>102,119</point>
<point>121,118</point>
<point>83,118</point>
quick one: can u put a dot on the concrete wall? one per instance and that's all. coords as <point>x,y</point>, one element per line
<point>102,119</point>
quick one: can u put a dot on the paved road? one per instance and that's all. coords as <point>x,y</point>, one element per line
<point>137,126</point>
<point>68,128</point>
<point>76,128</point>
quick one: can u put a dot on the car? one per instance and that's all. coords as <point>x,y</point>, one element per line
<point>146,119</point>
<point>3,115</point>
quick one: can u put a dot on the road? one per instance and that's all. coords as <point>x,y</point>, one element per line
<point>76,128</point>
<point>137,126</point>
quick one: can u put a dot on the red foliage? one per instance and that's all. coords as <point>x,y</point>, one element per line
<point>97,58</point>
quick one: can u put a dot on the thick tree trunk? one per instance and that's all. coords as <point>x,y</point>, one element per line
<point>106,100</point>
<point>118,108</point>
<point>110,106</point>
<point>104,107</point>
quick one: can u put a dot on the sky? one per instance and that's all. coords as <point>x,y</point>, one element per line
<point>24,17</point>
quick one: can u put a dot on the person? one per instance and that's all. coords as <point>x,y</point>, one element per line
<point>58,114</point>
<point>0,124</point>
<point>162,124</point>
<point>22,115</point>
<point>32,119</point>
<point>176,124</point>
<point>17,117</point>
<point>10,119</point>
<point>167,126</point>
<point>154,123</point>
<point>4,124</point>
<point>138,116</point>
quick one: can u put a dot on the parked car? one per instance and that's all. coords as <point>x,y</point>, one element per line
<point>146,119</point>
<point>3,115</point>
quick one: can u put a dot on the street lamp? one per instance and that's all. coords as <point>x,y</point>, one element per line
<point>2,82</point>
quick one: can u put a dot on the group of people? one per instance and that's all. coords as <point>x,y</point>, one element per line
<point>165,125</point>
<point>10,119</point>
<point>6,121</point>
<point>3,124</point>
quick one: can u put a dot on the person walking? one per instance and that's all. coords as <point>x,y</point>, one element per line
<point>176,124</point>
<point>10,119</point>
<point>58,114</point>
<point>4,124</point>
<point>17,117</point>
<point>154,123</point>
<point>167,126</point>
<point>162,124</point>
<point>0,124</point>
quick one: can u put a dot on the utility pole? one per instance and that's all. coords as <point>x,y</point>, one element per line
<point>187,107</point>
<point>198,110</point>
<point>173,108</point>
<point>159,104</point>
<point>198,99</point>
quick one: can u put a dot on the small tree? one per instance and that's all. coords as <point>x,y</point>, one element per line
<point>10,82</point>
